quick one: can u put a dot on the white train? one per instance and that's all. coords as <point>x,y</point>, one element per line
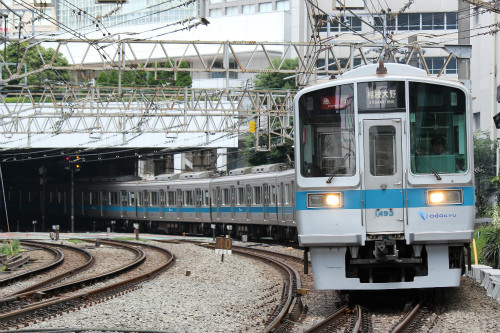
<point>382,193</point>
<point>384,174</point>
<point>251,201</point>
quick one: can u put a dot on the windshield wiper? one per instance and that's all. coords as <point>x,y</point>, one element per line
<point>438,177</point>
<point>334,173</point>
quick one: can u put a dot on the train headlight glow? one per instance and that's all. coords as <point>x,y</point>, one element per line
<point>323,200</point>
<point>332,199</point>
<point>445,197</point>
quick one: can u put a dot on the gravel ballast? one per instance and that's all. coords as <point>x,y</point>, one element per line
<point>202,294</point>
<point>237,293</point>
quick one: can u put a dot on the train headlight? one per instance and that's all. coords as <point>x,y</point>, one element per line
<point>445,197</point>
<point>322,200</point>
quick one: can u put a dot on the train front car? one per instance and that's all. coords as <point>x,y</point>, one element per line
<point>384,168</point>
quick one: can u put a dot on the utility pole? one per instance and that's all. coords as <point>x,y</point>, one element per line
<point>463,63</point>
<point>72,198</point>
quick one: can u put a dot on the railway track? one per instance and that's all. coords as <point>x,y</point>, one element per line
<point>57,254</point>
<point>357,320</point>
<point>39,304</point>
<point>290,306</point>
<point>58,249</point>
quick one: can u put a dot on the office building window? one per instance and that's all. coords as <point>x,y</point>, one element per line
<point>418,21</point>
<point>451,21</point>
<point>265,7</point>
<point>216,12</point>
<point>409,22</point>
<point>283,5</point>
<point>248,9</point>
<point>231,11</point>
<point>436,63</point>
<point>222,74</point>
<point>320,63</point>
<point>343,23</point>
<point>476,118</point>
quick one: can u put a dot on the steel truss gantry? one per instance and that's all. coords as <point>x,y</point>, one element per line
<point>62,108</point>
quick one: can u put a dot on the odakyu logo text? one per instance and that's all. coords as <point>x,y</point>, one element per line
<point>426,216</point>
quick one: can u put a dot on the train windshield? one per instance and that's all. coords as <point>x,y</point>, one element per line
<point>326,120</point>
<point>437,129</point>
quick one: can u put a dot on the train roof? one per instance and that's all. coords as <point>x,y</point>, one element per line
<point>392,69</point>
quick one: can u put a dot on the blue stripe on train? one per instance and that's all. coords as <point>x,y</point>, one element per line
<point>228,209</point>
<point>384,198</point>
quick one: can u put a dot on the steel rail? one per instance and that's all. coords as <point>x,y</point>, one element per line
<point>323,324</point>
<point>407,319</point>
<point>16,318</point>
<point>90,261</point>
<point>58,259</point>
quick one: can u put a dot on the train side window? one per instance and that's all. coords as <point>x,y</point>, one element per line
<point>189,198</point>
<point>140,199</point>
<point>266,194</point>
<point>206,197</point>
<point>104,198</point>
<point>114,198</point>
<point>171,198</point>
<point>131,197</point>
<point>233,196</point>
<point>249,195</point>
<point>225,200</point>
<point>124,198</point>
<point>257,191</point>
<point>241,195</point>
<point>162,198</point>
<point>287,194</point>
<point>273,195</point>
<point>154,198</point>
<point>214,197</point>
<point>180,198</point>
<point>198,197</point>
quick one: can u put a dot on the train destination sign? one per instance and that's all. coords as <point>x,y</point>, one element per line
<point>381,96</point>
<point>335,102</point>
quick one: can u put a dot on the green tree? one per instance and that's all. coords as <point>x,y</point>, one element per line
<point>484,170</point>
<point>33,61</point>
<point>276,80</point>
<point>113,78</point>
<point>103,79</point>
<point>277,154</point>
<point>491,248</point>
<point>183,77</point>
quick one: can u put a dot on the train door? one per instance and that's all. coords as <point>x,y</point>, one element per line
<point>383,176</point>
<point>265,202</point>
<point>163,202</point>
<point>123,202</point>
<point>144,203</point>
<point>198,203</point>
<point>218,203</point>
<point>281,203</point>
<point>232,203</point>
<point>180,203</point>
<point>249,202</point>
